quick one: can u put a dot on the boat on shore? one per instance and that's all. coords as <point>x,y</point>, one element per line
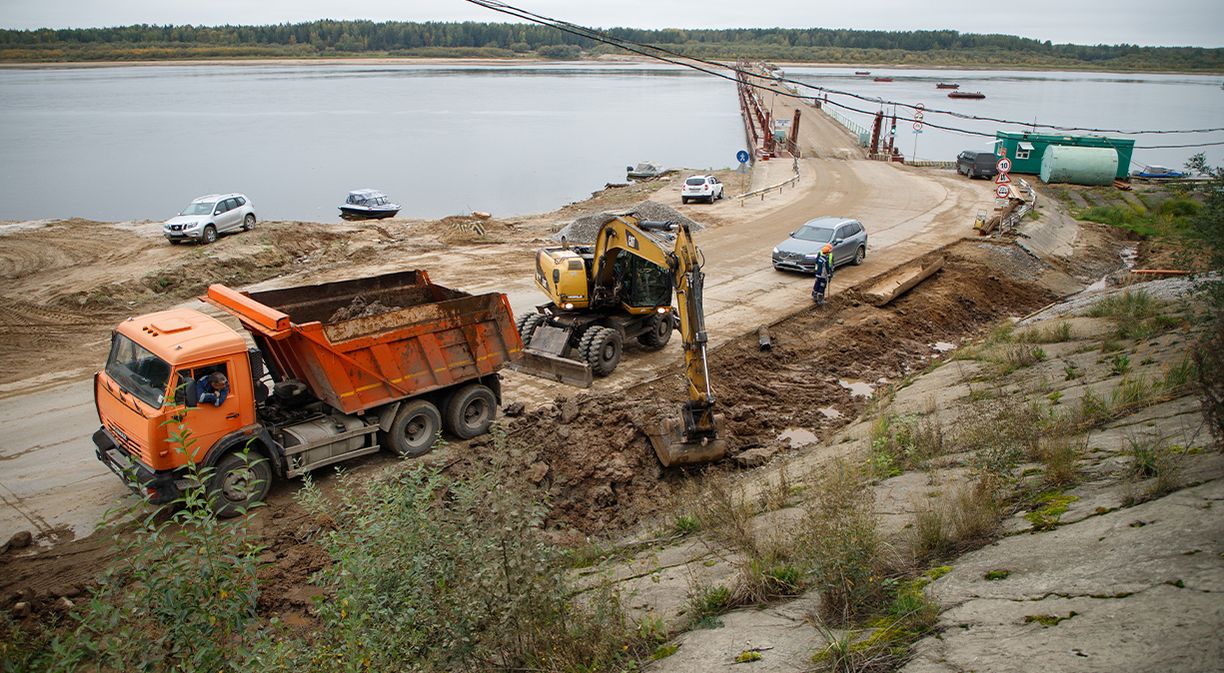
<point>966,94</point>
<point>947,85</point>
<point>862,72</point>
<point>368,204</point>
<point>883,79</point>
<point>645,170</point>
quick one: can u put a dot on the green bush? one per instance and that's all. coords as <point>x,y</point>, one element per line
<point>435,574</point>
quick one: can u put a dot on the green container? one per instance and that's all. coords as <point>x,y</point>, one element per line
<point>1079,165</point>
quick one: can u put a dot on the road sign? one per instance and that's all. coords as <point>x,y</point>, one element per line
<point>1004,165</point>
<point>742,156</point>
<point>1002,151</point>
<point>1002,179</point>
<point>917,126</point>
<point>1002,191</point>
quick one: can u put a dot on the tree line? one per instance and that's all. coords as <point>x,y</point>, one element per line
<point>509,40</point>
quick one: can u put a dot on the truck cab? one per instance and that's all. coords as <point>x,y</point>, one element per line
<point>148,388</point>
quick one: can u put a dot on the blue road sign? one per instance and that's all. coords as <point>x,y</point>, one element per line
<point>742,156</point>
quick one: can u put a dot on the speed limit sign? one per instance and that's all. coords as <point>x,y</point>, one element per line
<point>1004,165</point>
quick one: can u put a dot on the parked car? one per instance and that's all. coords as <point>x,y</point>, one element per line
<point>977,164</point>
<point>209,216</point>
<point>799,251</point>
<point>701,187</point>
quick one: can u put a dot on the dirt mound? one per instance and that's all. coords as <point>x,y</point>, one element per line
<point>473,229</point>
<point>598,469</point>
<point>582,230</point>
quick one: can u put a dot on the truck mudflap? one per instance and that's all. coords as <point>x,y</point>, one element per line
<point>157,488</point>
<point>554,368</point>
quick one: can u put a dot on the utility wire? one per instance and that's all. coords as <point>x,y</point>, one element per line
<point>636,47</point>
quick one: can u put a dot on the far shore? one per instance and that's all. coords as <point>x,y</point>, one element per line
<point>602,60</point>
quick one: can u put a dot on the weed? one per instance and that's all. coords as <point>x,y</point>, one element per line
<point>776,495</point>
<point>707,602</point>
<point>1120,364</point>
<point>1180,374</point>
<point>1060,456</point>
<point>1001,436</point>
<point>686,524</point>
<point>1070,372</point>
<point>1111,346</point>
<point>900,443</point>
<point>956,522</point>
<point>840,539</point>
<point>747,656</point>
<point>997,575</point>
<point>1131,392</point>
<point>1152,458</point>
<point>1047,334</point>
<point>1054,397</point>
<point>723,511</point>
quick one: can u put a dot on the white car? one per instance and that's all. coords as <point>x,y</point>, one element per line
<point>209,216</point>
<point>701,187</point>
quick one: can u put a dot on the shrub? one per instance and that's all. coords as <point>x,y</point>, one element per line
<point>900,443</point>
<point>432,574</point>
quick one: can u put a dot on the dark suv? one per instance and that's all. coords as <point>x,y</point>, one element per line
<point>977,164</point>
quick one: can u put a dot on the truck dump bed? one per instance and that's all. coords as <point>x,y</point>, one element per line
<point>362,343</point>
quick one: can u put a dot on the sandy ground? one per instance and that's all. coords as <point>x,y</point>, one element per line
<point>67,283</point>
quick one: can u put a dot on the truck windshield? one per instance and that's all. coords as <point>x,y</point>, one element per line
<point>138,371</point>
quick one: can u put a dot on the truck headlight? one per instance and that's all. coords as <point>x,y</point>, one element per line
<point>568,306</point>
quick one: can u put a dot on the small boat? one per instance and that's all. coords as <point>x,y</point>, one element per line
<point>947,85</point>
<point>368,204</point>
<point>966,94</point>
<point>645,170</point>
<point>883,79</point>
<point>862,72</point>
<point>1159,173</point>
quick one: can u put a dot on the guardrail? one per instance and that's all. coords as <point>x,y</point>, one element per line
<point>765,190</point>
<point>856,129</point>
<point>1013,218</point>
<point>932,164</point>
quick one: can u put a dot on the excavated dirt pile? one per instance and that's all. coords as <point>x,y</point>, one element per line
<point>600,473</point>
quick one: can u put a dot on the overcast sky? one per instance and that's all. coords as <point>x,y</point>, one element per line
<point>1148,22</point>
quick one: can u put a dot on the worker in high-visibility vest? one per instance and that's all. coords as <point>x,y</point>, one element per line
<point>824,273</point>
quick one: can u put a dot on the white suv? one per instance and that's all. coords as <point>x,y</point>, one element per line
<point>701,187</point>
<point>209,216</point>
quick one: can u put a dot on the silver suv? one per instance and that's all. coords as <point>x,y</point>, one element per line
<point>209,216</point>
<point>799,251</point>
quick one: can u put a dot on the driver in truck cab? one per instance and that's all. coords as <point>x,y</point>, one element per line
<point>212,389</point>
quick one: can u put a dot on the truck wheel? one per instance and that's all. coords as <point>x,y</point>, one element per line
<point>240,481</point>
<point>604,352</point>
<point>414,429</point>
<point>527,324</point>
<point>470,411</point>
<point>659,333</point>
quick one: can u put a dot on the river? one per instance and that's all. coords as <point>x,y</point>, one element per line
<point>122,143</point>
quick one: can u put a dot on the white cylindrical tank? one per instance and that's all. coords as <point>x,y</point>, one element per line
<point>1079,165</point>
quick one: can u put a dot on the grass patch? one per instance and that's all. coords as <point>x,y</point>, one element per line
<point>1151,458</point>
<point>957,522</point>
<point>1060,456</point>
<point>1058,332</point>
<point>900,443</point>
<point>997,575</point>
<point>1048,508</point>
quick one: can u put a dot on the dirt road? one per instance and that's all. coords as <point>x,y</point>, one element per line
<point>52,485</point>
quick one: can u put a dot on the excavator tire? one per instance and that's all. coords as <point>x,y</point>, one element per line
<point>526,325</point>
<point>659,333</point>
<point>603,352</point>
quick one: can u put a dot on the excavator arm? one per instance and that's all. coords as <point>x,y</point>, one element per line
<point>694,439</point>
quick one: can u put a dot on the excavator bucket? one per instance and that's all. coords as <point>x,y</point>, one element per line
<point>543,358</point>
<point>675,449</point>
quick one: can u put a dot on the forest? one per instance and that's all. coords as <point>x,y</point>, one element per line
<point>327,38</point>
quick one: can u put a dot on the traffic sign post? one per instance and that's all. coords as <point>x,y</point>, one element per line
<point>1002,179</point>
<point>1004,165</point>
<point>1002,191</point>
<point>742,156</point>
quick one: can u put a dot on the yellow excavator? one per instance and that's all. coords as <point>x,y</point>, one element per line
<point>619,288</point>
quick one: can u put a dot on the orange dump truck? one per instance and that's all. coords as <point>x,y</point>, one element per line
<point>338,370</point>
